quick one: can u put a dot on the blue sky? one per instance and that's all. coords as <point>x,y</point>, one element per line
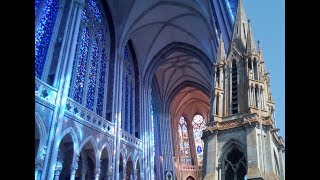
<point>268,26</point>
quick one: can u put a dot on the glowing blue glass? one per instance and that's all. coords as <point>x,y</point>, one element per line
<point>93,75</point>
<point>84,15</point>
<point>131,107</point>
<point>36,6</point>
<point>102,77</point>
<point>126,53</point>
<point>126,108</point>
<point>81,66</point>
<point>43,33</point>
<point>93,6</point>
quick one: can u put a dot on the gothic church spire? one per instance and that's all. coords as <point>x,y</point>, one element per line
<point>251,45</point>
<point>240,24</point>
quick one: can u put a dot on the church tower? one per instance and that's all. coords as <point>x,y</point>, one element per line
<point>241,140</point>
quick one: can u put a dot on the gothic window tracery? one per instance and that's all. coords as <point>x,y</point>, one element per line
<point>128,89</point>
<point>91,66</point>
<point>46,12</point>
<point>185,156</point>
<point>198,124</point>
<point>235,165</point>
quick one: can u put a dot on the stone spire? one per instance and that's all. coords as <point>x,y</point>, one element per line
<point>240,24</point>
<point>221,55</point>
<point>251,45</point>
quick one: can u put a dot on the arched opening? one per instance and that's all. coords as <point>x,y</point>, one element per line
<point>36,140</point>
<point>130,90</point>
<point>104,166</point>
<point>235,165</point>
<point>234,87</point>
<point>121,167</point>
<point>190,178</point>
<point>129,171</point>
<point>255,69</point>
<point>90,82</point>
<point>86,166</point>
<point>64,159</point>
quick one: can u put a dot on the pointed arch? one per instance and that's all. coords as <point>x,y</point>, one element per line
<point>75,141</point>
<point>42,131</point>
<point>91,140</point>
<point>232,142</point>
<point>107,147</point>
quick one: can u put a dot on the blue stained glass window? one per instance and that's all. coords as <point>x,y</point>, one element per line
<point>84,15</point>
<point>43,33</point>
<point>81,66</point>
<point>130,89</point>
<point>93,6</point>
<point>126,117</point>
<point>131,107</point>
<point>36,6</point>
<point>92,63</point>
<point>93,75</point>
<point>198,124</point>
<point>185,156</point>
<point>126,53</point>
<point>102,78</point>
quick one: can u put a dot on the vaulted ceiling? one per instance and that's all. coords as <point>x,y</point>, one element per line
<point>152,25</point>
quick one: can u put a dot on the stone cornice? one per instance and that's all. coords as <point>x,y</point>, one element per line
<point>234,123</point>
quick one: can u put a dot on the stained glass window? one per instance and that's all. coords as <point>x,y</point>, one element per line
<point>129,92</point>
<point>198,124</point>
<point>90,69</point>
<point>185,156</point>
<point>44,29</point>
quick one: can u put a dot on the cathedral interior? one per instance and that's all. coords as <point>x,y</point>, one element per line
<point>153,90</point>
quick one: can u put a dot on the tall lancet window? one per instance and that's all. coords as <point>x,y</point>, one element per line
<point>198,124</point>
<point>46,12</point>
<point>185,157</point>
<point>234,87</point>
<point>128,89</point>
<point>89,83</point>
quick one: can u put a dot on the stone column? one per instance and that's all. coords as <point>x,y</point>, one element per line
<point>281,164</point>
<point>57,171</point>
<point>252,68</point>
<point>38,168</point>
<point>249,96</point>
<point>74,168</point>
<point>221,78</point>
<point>84,169</point>
<point>67,59</point>
<point>252,152</point>
<point>221,104</point>
<point>116,109</point>
<point>215,77</point>
<point>219,170</point>
<point>97,174</point>
<point>209,167</point>
<point>247,68</point>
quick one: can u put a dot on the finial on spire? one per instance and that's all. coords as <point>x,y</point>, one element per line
<point>251,45</point>
<point>221,51</point>
<point>259,44</point>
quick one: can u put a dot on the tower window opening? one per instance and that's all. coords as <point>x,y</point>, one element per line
<point>234,88</point>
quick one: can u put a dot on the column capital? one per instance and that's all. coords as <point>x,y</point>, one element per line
<point>74,168</point>
<point>38,164</point>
